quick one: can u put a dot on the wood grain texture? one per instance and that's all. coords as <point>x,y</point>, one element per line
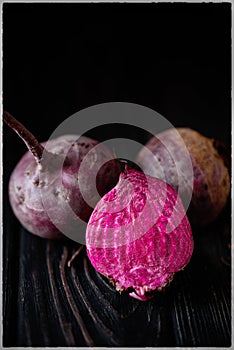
<point>46,303</point>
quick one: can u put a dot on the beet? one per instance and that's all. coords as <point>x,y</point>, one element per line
<point>43,185</point>
<point>211,185</point>
<point>138,235</point>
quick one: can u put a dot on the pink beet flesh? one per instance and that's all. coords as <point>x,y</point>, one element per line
<point>124,244</point>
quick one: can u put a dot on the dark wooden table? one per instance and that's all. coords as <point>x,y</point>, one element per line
<point>48,304</point>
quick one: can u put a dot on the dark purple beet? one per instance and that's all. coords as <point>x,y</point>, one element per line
<point>211,183</point>
<point>39,171</point>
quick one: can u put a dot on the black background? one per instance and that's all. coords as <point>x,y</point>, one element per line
<point>61,58</point>
<point>173,58</point>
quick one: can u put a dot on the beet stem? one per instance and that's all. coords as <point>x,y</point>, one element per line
<point>29,139</point>
<point>70,262</point>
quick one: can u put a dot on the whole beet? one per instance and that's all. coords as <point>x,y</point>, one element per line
<point>211,185</point>
<point>138,235</point>
<point>40,172</point>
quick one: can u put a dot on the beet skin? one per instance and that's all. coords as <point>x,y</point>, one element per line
<point>45,186</point>
<point>211,185</point>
